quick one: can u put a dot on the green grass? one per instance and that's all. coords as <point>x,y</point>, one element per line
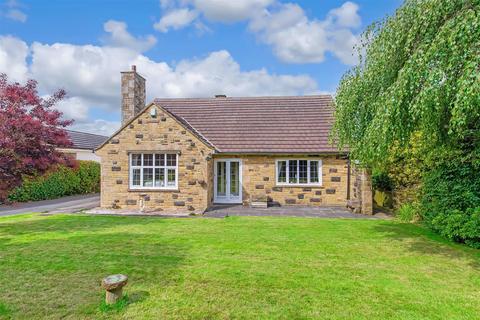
<point>233,268</point>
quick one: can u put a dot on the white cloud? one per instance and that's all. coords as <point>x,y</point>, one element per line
<point>77,108</point>
<point>297,39</point>
<point>74,108</point>
<point>346,15</point>
<point>182,13</point>
<point>93,73</point>
<point>13,55</point>
<point>87,71</point>
<point>229,11</point>
<point>16,15</point>
<point>164,4</point>
<point>285,27</point>
<point>91,76</point>
<point>218,73</point>
<point>98,126</point>
<point>13,11</point>
<point>342,43</point>
<point>120,37</point>
<point>176,19</point>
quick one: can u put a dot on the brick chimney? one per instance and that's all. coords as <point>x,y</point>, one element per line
<point>133,94</point>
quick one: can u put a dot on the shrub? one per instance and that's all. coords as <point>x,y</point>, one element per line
<point>450,202</point>
<point>460,226</point>
<point>381,181</point>
<point>58,182</point>
<point>407,213</point>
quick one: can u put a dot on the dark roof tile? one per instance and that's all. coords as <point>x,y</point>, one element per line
<point>83,140</point>
<point>259,124</point>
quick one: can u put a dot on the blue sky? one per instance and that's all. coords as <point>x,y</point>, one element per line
<point>185,48</point>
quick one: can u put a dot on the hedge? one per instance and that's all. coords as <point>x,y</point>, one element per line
<point>450,202</point>
<point>61,181</point>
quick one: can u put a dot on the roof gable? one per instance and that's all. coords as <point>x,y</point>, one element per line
<point>184,124</point>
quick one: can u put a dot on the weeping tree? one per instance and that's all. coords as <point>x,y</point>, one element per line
<point>419,75</point>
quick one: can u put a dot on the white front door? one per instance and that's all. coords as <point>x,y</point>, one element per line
<point>228,181</point>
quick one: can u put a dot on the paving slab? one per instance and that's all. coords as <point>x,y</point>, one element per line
<point>223,211</point>
<point>288,211</point>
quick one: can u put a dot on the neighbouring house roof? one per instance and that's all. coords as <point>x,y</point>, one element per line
<point>83,140</point>
<point>296,124</point>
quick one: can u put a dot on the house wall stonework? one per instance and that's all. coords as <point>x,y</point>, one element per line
<point>259,180</point>
<point>195,192</point>
<point>156,135</point>
<point>362,195</point>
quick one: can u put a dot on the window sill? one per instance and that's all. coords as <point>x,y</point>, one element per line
<point>286,185</point>
<point>153,190</point>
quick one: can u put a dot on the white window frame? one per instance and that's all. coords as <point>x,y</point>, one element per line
<point>298,184</point>
<point>153,167</point>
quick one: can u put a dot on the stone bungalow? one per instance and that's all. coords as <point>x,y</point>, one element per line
<point>185,155</point>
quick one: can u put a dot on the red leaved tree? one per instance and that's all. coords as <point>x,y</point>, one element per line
<point>30,129</point>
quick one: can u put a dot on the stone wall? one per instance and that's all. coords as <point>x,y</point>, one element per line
<point>259,180</point>
<point>161,134</point>
<point>362,195</point>
<point>133,94</point>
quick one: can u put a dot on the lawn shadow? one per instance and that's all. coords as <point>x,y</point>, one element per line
<point>137,296</point>
<point>426,242</point>
<point>127,300</point>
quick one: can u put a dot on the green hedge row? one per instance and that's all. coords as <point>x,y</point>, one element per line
<point>450,201</point>
<point>62,181</point>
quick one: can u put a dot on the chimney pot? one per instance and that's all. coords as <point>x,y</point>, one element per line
<point>134,68</point>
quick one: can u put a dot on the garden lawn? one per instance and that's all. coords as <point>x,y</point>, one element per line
<point>233,268</point>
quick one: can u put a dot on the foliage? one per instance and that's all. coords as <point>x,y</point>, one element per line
<point>460,226</point>
<point>418,85</point>
<point>450,201</point>
<point>58,182</point>
<point>30,129</point>
<point>383,199</point>
<point>404,166</point>
<point>89,176</point>
<point>419,71</point>
<point>381,181</point>
<point>407,213</point>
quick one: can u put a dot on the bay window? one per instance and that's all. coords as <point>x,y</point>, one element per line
<point>153,171</point>
<point>299,172</point>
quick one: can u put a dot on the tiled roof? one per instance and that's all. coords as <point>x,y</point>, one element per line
<point>298,124</point>
<point>83,140</point>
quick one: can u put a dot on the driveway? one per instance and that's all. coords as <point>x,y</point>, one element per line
<point>61,205</point>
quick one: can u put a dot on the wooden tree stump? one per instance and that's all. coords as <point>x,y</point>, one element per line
<point>114,287</point>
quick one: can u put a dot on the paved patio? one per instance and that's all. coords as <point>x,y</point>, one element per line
<point>219,211</point>
<point>222,211</point>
